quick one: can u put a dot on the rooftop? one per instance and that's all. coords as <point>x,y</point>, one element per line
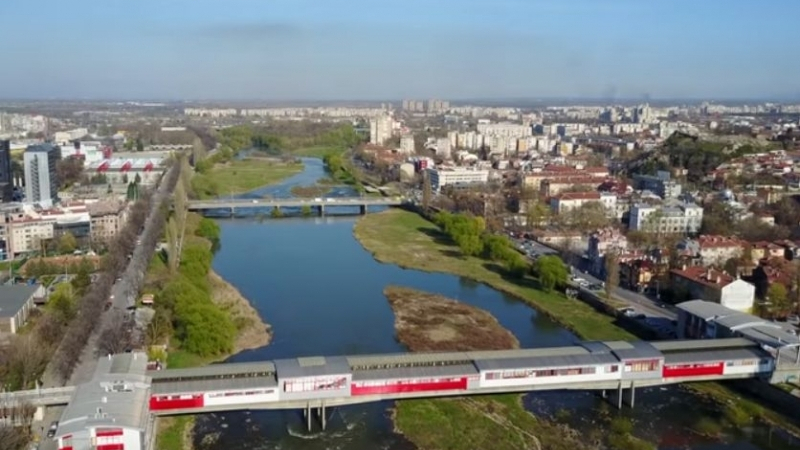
<point>707,276</point>
<point>747,325</point>
<point>591,195</point>
<point>41,148</point>
<point>13,297</point>
<point>116,396</point>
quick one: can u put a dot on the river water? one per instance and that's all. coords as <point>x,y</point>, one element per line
<point>322,293</point>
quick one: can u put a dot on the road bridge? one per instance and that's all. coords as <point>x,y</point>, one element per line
<point>319,204</point>
<point>38,397</point>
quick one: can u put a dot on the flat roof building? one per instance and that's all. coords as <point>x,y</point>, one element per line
<point>16,304</point>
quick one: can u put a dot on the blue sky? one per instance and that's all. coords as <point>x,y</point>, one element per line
<point>391,49</point>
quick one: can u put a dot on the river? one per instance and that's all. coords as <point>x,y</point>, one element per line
<point>322,293</point>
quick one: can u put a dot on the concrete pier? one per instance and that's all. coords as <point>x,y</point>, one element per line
<point>322,416</point>
<point>363,209</point>
<point>307,414</point>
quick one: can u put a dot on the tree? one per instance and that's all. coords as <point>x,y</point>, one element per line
<point>137,179</point>
<point>109,190</point>
<point>427,191</point>
<point>23,362</point>
<point>778,297</point>
<point>276,213</point>
<point>62,303</point>
<point>536,214</point>
<point>116,337</point>
<point>305,210</point>
<point>125,178</point>
<point>67,243</point>
<point>612,273</point>
<point>139,145</point>
<point>206,331</point>
<point>159,327</point>
<point>551,271</point>
<point>82,278</point>
<point>69,171</point>
<point>587,217</point>
<point>172,245</point>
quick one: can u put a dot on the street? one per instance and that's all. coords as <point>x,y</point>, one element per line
<point>124,292</point>
<point>640,303</point>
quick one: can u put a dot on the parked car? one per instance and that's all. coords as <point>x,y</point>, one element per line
<point>51,432</point>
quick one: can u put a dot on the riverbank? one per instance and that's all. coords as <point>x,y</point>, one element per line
<point>430,322</point>
<point>240,176</point>
<point>408,240</point>
<point>251,331</point>
<point>177,433</point>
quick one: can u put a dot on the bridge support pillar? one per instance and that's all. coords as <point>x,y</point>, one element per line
<point>322,210</point>
<point>322,416</point>
<point>631,397</point>
<point>620,392</point>
<point>363,209</point>
<point>307,414</point>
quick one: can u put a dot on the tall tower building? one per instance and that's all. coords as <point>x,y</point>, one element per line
<point>6,178</point>
<point>41,178</point>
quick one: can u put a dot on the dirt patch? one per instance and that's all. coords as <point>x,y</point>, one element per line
<point>429,322</point>
<point>253,331</point>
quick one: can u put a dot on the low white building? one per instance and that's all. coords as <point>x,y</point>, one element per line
<point>110,411</point>
<point>714,286</point>
<point>125,170</point>
<point>572,200</point>
<point>459,175</point>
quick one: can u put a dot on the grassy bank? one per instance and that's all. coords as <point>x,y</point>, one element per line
<point>406,239</point>
<point>236,177</point>
<point>175,433</point>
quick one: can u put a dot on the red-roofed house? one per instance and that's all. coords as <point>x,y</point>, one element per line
<point>714,286</point>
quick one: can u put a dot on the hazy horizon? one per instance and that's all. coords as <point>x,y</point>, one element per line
<point>355,50</point>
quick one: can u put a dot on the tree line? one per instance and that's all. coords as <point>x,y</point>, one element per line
<point>184,304</point>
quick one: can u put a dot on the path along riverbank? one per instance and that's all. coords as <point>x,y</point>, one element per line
<point>406,239</point>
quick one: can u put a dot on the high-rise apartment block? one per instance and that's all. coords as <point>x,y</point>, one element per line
<point>380,129</point>
<point>6,177</point>
<point>41,178</point>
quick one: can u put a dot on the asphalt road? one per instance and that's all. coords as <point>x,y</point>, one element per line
<point>641,303</point>
<point>125,292</point>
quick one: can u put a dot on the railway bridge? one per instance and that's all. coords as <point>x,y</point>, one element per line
<point>120,404</point>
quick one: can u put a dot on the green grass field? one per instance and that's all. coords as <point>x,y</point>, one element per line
<point>236,177</point>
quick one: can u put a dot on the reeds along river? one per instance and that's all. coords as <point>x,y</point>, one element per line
<point>323,295</point>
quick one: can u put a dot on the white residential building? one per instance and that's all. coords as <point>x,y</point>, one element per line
<point>380,129</point>
<point>668,218</point>
<point>407,144</point>
<point>572,200</point>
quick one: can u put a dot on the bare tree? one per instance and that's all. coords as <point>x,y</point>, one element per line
<point>116,337</point>
<point>158,328</point>
<point>427,193</point>
<point>612,272</point>
<point>172,245</point>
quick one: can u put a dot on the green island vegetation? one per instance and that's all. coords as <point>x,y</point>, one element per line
<point>224,173</point>
<point>342,171</point>
<point>406,239</point>
<point>238,176</point>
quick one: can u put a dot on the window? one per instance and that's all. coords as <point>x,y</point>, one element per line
<point>642,366</point>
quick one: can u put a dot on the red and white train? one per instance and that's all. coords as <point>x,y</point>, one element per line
<point>472,375</point>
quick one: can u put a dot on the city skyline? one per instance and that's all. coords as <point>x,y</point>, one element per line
<point>335,50</point>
